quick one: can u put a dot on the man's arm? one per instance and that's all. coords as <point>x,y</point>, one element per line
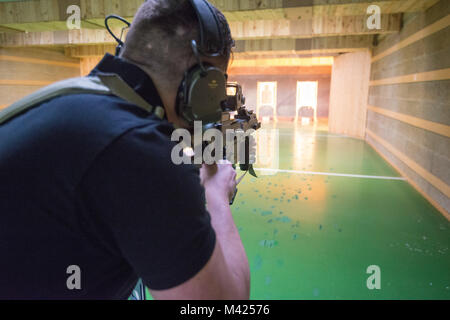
<point>151,213</point>
<point>227,274</point>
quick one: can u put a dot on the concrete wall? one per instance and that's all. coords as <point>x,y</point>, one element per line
<point>408,115</point>
<point>286,91</point>
<point>25,70</point>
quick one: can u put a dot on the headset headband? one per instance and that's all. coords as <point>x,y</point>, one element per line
<point>211,38</point>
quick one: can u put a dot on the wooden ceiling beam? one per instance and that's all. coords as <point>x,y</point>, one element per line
<point>316,27</point>
<point>304,71</point>
<point>249,30</point>
<point>322,46</point>
<point>62,37</point>
<point>89,51</point>
<point>243,10</point>
<point>47,15</point>
<point>97,44</point>
<point>318,45</point>
<point>282,62</point>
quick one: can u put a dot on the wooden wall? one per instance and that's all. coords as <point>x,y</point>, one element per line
<point>348,94</point>
<point>25,70</point>
<point>87,64</point>
<point>408,120</point>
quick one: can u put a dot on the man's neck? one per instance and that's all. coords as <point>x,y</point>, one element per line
<point>167,92</point>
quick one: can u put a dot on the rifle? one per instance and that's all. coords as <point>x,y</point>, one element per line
<point>243,121</point>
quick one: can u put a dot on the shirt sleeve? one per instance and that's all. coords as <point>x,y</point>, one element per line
<point>153,210</point>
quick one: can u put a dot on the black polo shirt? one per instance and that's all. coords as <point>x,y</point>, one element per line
<point>87,181</point>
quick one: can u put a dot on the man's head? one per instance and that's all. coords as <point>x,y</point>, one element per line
<point>159,41</point>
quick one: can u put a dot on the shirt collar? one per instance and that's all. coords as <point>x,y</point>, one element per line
<point>134,76</point>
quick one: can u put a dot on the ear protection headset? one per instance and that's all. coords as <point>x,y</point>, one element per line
<point>203,89</point>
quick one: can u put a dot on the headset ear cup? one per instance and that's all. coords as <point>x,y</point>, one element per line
<point>201,94</point>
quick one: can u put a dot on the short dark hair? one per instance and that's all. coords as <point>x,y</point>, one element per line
<point>161,33</point>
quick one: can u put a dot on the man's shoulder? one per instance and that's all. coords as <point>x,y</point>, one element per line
<point>93,117</point>
<point>82,115</point>
<point>110,119</point>
<point>100,110</point>
<point>71,131</point>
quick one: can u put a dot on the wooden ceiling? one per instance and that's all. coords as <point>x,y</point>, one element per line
<point>259,26</point>
<point>47,15</point>
<point>300,9</point>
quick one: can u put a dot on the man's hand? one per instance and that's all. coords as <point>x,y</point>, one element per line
<point>219,181</point>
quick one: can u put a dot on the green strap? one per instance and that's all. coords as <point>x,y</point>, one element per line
<point>65,87</point>
<point>121,89</point>
<point>105,84</point>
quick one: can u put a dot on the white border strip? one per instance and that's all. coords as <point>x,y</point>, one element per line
<point>332,174</point>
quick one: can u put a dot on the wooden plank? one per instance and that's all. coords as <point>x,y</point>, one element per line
<point>12,93</point>
<point>39,61</point>
<point>410,181</point>
<point>435,127</point>
<point>425,32</point>
<point>89,50</point>
<point>314,45</point>
<point>283,62</point>
<point>6,29</point>
<point>51,38</point>
<point>349,93</point>
<point>243,9</point>
<point>34,11</point>
<point>13,70</point>
<point>275,55</point>
<point>38,15</point>
<point>318,26</point>
<point>432,179</point>
<point>322,70</point>
<point>87,64</point>
<point>25,70</point>
<point>241,30</point>
<point>92,9</point>
<point>24,82</point>
<point>435,75</point>
<point>48,26</point>
<point>53,53</point>
<point>45,15</point>
<point>318,52</point>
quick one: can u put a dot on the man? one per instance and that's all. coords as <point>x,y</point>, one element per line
<point>88,188</point>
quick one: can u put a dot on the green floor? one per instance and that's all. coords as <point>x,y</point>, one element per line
<point>313,236</point>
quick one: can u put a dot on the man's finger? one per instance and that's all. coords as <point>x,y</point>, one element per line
<point>210,168</point>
